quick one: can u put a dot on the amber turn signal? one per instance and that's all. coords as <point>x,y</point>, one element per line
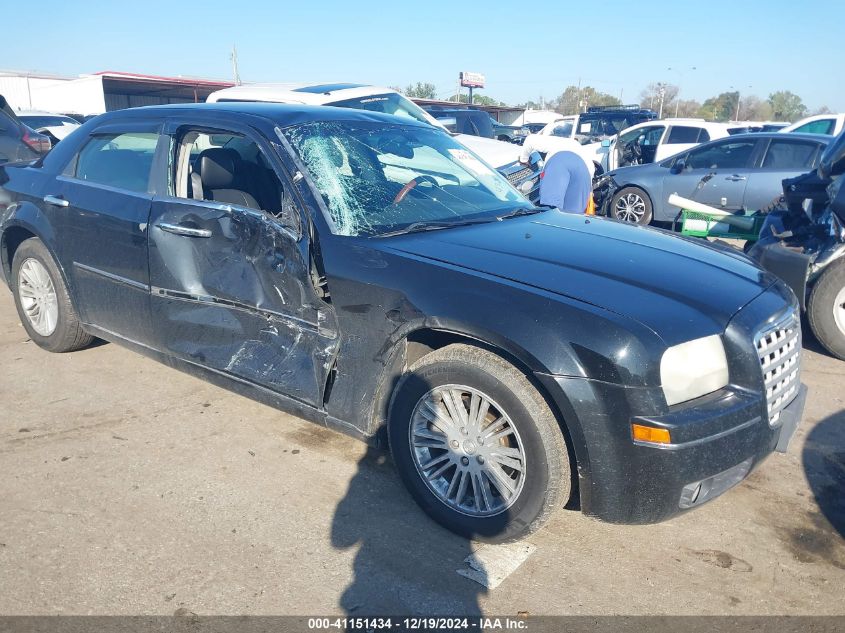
<point>650,434</point>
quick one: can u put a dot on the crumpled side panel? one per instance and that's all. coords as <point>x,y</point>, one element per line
<point>240,301</point>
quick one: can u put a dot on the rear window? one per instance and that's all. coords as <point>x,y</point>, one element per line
<point>118,160</point>
<point>786,154</point>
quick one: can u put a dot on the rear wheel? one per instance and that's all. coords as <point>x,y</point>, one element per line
<point>477,445</point>
<point>42,300</point>
<point>631,204</point>
<point>826,309</point>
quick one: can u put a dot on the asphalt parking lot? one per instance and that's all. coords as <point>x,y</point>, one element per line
<point>128,487</point>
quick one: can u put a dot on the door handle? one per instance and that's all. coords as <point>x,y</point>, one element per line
<point>56,201</point>
<point>736,178</point>
<point>187,231</point>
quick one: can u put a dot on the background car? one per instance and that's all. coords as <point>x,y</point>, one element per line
<point>590,128</point>
<point>734,174</point>
<point>17,141</point>
<point>54,126</point>
<point>504,157</point>
<point>831,124</point>
<point>655,140</point>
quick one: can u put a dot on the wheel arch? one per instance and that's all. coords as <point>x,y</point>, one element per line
<point>417,342</point>
<point>27,223</point>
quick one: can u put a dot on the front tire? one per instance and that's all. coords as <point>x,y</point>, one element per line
<point>477,445</point>
<point>826,309</point>
<point>632,205</point>
<point>42,300</point>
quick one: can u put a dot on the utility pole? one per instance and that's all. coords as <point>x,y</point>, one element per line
<point>662,95</point>
<point>578,105</point>
<point>234,57</point>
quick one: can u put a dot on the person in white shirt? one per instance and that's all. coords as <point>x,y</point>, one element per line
<point>550,145</point>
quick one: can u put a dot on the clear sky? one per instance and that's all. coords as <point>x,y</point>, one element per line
<point>525,49</point>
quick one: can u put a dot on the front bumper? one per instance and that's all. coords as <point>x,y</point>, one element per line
<point>716,440</point>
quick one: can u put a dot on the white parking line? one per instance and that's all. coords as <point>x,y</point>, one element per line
<point>489,565</point>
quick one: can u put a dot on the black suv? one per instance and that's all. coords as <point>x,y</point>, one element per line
<point>601,122</point>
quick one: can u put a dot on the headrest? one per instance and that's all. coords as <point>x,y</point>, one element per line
<point>217,168</point>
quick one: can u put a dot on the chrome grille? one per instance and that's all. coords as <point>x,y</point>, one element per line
<point>779,350</point>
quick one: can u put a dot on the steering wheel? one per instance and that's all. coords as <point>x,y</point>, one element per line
<point>404,191</point>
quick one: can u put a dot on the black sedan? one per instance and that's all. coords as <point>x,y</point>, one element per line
<point>371,274</point>
<point>737,173</point>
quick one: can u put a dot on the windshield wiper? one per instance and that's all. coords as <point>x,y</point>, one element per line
<point>520,211</point>
<point>419,227</point>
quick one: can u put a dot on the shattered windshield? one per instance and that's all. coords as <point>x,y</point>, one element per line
<point>379,178</point>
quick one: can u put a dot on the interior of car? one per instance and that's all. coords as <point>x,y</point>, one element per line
<point>227,168</point>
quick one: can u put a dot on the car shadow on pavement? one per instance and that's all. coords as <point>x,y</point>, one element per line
<point>824,466</point>
<point>406,564</point>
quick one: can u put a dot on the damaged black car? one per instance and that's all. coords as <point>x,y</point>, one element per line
<point>804,244</point>
<point>371,274</point>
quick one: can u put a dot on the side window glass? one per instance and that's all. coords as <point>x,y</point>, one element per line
<point>733,155</point>
<point>822,126</point>
<point>704,136</point>
<point>226,168</point>
<point>785,154</point>
<point>653,135</point>
<point>118,160</point>
<point>682,134</point>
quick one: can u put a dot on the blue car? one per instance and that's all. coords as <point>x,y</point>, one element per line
<point>737,173</point>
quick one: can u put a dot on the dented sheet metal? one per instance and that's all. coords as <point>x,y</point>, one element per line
<point>238,300</point>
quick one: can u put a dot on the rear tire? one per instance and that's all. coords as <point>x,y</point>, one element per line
<point>493,489</point>
<point>826,309</point>
<point>42,300</point>
<point>632,205</point>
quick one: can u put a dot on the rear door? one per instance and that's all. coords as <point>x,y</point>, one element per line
<point>231,284</point>
<point>783,157</point>
<point>715,174</point>
<point>102,205</point>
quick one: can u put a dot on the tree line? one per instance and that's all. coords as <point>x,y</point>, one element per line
<point>782,105</point>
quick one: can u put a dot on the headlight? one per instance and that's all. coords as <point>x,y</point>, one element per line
<point>693,369</point>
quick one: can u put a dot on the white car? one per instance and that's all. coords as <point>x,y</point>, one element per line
<point>498,154</point>
<point>653,141</point>
<point>830,124</point>
<point>591,130</point>
<point>57,126</point>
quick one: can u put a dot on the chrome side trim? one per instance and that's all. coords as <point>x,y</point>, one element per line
<point>112,277</point>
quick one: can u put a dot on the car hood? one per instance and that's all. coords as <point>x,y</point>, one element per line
<point>679,289</point>
<point>498,154</point>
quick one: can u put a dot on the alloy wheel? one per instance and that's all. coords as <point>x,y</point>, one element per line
<point>467,450</point>
<point>38,297</point>
<point>630,208</point>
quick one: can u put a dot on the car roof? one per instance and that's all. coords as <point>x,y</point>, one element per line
<point>281,114</point>
<point>316,94</point>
